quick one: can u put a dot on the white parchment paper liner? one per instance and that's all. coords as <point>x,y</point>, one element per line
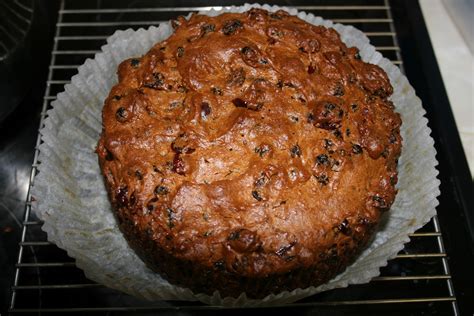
<point>72,201</point>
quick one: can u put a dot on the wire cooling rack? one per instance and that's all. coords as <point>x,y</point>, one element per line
<point>47,280</point>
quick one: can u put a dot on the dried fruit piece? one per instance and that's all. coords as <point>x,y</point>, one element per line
<point>216,91</point>
<point>231,26</point>
<point>121,197</point>
<point>205,110</point>
<point>134,62</point>
<point>178,165</point>
<point>327,114</point>
<point>138,174</point>
<point>170,213</point>
<point>356,149</point>
<point>344,227</point>
<point>161,190</point>
<point>180,51</point>
<point>295,151</point>
<point>262,150</point>
<point>157,81</point>
<point>252,56</point>
<point>256,196</point>
<point>322,178</point>
<point>108,155</point>
<point>121,115</point>
<point>322,159</point>
<point>207,28</point>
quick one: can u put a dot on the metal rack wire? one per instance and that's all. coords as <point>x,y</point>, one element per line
<point>418,277</point>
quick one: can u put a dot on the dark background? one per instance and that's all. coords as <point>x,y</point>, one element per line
<point>18,133</point>
<point>18,136</point>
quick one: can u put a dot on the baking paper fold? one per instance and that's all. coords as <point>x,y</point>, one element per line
<point>71,199</point>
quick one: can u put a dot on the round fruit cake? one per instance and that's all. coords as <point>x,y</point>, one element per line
<point>249,152</point>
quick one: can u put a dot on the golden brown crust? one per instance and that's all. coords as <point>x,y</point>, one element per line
<point>249,152</point>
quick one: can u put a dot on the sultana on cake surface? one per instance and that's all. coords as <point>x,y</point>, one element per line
<point>250,153</point>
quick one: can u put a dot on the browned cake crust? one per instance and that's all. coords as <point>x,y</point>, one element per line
<point>249,153</point>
